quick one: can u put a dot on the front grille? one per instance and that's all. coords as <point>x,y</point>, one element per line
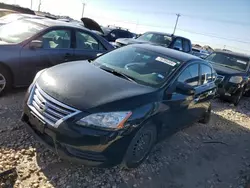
<point>47,108</point>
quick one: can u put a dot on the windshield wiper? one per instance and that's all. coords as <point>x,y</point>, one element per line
<point>117,73</point>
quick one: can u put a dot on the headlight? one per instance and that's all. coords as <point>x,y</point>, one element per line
<point>236,79</point>
<point>38,74</point>
<point>110,120</point>
<point>34,80</point>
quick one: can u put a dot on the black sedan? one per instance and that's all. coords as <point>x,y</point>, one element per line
<point>116,108</point>
<point>233,74</point>
<point>30,45</point>
<point>163,39</point>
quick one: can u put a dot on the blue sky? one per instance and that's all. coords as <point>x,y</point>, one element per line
<point>217,23</point>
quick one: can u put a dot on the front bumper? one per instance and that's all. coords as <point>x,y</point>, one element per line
<point>83,145</point>
<point>228,90</point>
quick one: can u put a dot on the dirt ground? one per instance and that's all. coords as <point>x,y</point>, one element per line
<point>215,155</point>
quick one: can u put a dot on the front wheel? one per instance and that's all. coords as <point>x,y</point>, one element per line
<point>5,80</point>
<point>140,146</point>
<point>237,97</point>
<point>207,116</point>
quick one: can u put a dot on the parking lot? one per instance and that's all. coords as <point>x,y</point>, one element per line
<point>212,155</point>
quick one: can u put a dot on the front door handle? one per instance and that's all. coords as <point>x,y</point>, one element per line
<point>67,56</point>
<point>196,99</point>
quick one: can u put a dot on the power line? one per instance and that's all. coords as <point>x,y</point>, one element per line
<point>214,36</point>
<point>185,30</point>
<point>217,20</point>
<point>185,15</point>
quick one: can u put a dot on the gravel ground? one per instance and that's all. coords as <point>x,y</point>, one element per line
<point>206,156</point>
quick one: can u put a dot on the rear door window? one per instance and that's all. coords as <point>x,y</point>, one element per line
<point>206,74</point>
<point>85,41</point>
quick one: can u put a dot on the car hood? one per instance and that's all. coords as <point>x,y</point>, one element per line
<point>84,86</point>
<point>226,71</point>
<point>3,42</point>
<point>126,41</point>
<point>92,25</point>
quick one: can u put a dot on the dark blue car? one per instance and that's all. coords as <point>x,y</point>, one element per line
<point>30,45</point>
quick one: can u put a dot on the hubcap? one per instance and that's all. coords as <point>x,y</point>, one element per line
<point>2,82</point>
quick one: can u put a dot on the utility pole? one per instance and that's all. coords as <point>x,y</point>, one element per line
<point>83,7</point>
<point>31,1</point>
<point>39,5</point>
<point>177,19</point>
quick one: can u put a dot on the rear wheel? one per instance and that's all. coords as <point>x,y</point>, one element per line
<point>140,146</point>
<point>5,80</point>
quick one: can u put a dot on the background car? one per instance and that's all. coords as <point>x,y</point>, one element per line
<point>158,38</point>
<point>42,43</point>
<point>116,108</point>
<point>200,53</point>
<point>233,74</point>
<point>110,33</point>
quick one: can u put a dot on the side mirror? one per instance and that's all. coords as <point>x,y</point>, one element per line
<point>185,89</point>
<point>176,48</point>
<point>34,44</point>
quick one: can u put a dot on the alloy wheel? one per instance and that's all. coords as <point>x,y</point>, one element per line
<point>2,82</point>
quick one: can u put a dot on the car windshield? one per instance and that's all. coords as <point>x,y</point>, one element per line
<point>143,66</point>
<point>156,38</point>
<point>18,31</point>
<point>229,60</point>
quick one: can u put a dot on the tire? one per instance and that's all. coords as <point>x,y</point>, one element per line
<point>207,116</point>
<point>237,97</point>
<point>247,93</point>
<point>5,80</point>
<point>140,146</point>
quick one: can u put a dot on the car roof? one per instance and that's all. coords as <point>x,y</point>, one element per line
<point>107,30</point>
<point>170,35</point>
<point>181,56</point>
<point>50,23</point>
<point>233,53</point>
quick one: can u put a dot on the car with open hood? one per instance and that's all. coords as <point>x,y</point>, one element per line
<point>158,38</point>
<point>30,45</point>
<point>110,33</point>
<point>233,71</point>
<point>114,109</point>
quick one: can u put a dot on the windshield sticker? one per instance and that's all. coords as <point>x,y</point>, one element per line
<point>167,61</point>
<point>242,62</point>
